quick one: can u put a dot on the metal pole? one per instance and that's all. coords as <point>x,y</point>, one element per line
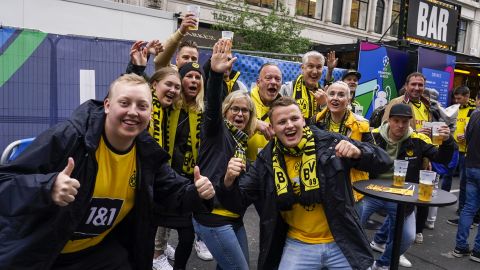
<point>401,23</point>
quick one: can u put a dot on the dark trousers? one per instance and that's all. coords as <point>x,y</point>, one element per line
<point>107,255</point>
<point>186,236</point>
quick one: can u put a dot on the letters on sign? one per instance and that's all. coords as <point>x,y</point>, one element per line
<point>432,21</point>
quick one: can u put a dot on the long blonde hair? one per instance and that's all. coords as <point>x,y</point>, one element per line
<point>235,95</point>
<point>199,105</point>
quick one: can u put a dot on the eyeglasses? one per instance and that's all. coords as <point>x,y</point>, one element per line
<point>236,110</point>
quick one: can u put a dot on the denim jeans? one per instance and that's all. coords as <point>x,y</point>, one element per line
<point>386,233</point>
<point>472,205</point>
<point>298,255</point>
<point>228,245</point>
<point>447,180</point>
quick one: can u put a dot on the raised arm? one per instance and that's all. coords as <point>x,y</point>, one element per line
<point>163,59</point>
<point>219,64</point>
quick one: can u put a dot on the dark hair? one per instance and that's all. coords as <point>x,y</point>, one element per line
<point>462,90</point>
<point>282,102</point>
<point>414,74</point>
<point>188,43</point>
<point>266,65</point>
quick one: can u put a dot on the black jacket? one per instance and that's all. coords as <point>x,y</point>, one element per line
<point>336,191</point>
<point>33,230</point>
<point>217,147</point>
<point>414,149</point>
<point>472,160</point>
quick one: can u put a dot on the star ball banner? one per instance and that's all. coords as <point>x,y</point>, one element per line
<point>383,71</point>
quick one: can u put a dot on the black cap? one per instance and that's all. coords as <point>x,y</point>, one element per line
<point>352,72</point>
<point>189,67</point>
<point>401,109</point>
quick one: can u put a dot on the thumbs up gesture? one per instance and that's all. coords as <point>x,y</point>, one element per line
<point>65,188</point>
<point>204,186</point>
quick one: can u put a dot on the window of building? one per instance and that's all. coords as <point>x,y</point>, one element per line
<point>379,16</point>
<point>358,17</point>
<point>337,10</point>
<point>395,14</point>
<point>262,3</point>
<point>462,34</point>
<point>310,8</point>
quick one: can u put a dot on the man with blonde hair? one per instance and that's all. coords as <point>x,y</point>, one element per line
<point>87,186</point>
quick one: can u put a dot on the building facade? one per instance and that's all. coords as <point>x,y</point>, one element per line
<point>330,22</point>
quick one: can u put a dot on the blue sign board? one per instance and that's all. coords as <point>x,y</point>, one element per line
<point>438,80</point>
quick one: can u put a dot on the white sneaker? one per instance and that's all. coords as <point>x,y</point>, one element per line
<point>377,267</point>
<point>161,263</point>
<point>169,252</point>
<point>377,247</point>
<point>202,251</point>
<point>403,261</point>
<point>430,225</point>
<point>419,238</point>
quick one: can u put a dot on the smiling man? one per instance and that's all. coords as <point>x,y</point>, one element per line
<point>305,89</point>
<point>263,94</point>
<point>422,111</point>
<point>302,180</point>
<point>87,187</point>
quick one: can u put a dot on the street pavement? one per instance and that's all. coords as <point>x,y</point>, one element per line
<point>433,254</point>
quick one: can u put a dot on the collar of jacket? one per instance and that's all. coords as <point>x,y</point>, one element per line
<point>92,128</point>
<point>426,102</point>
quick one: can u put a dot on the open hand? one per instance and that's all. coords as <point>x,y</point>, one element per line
<point>138,53</point>
<point>221,60</point>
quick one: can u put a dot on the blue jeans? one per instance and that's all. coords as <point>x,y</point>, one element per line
<point>298,255</point>
<point>447,180</point>
<point>386,233</point>
<point>472,205</point>
<point>228,245</point>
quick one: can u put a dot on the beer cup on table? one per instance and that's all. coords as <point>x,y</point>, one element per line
<point>399,172</point>
<point>195,10</point>
<point>425,188</point>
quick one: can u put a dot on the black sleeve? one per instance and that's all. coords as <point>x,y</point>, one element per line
<point>177,194</point>
<point>213,108</point>
<point>247,189</point>
<point>26,183</point>
<point>443,154</point>
<point>373,158</point>
<point>139,70</point>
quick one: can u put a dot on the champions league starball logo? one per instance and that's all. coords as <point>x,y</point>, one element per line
<point>386,61</point>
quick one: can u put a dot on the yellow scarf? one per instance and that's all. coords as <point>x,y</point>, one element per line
<point>305,98</point>
<point>194,120</point>
<point>231,82</point>
<point>156,127</point>
<point>309,183</point>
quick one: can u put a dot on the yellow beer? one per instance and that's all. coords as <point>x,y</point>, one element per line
<point>398,180</point>
<point>425,192</point>
<point>437,139</point>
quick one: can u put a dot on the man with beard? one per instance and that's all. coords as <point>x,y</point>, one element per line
<point>305,89</point>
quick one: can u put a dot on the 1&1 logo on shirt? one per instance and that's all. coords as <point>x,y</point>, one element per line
<point>99,218</point>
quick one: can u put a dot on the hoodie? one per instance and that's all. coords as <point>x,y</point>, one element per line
<point>392,147</point>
